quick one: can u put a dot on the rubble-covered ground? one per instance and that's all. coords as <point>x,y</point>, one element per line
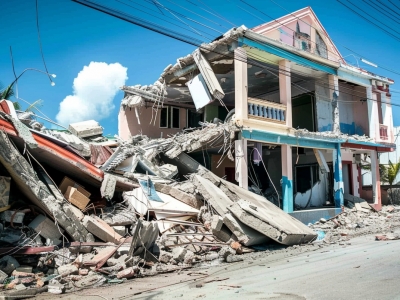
<point>79,211</point>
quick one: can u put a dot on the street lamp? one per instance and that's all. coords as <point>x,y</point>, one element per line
<point>37,70</point>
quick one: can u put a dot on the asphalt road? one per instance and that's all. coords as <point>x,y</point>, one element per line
<point>366,269</point>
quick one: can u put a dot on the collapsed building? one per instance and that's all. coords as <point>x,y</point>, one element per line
<point>248,140</point>
<point>305,119</point>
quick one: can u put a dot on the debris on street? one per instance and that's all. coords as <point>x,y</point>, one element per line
<point>79,210</point>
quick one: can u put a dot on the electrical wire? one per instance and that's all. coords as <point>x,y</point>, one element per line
<point>301,20</point>
<point>380,9</point>
<point>40,42</point>
<point>164,31</point>
<point>369,21</point>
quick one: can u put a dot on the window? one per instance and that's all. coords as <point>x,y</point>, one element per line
<point>164,117</point>
<point>306,176</point>
<point>320,48</point>
<point>175,117</point>
<point>170,117</point>
<point>193,119</point>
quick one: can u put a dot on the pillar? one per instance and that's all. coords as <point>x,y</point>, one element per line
<point>287,178</point>
<point>334,94</point>
<point>240,85</point>
<point>285,89</point>
<point>376,180</point>
<point>338,187</point>
<point>373,114</point>
<point>241,169</point>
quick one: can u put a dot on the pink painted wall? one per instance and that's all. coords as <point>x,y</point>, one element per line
<point>128,124</point>
<point>360,109</point>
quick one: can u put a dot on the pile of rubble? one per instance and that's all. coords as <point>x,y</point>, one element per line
<point>361,219</point>
<point>80,210</point>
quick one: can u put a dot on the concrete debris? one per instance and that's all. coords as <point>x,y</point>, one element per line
<point>101,229</point>
<point>139,207</point>
<point>86,129</point>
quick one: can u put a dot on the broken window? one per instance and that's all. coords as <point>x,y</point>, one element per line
<point>164,117</point>
<point>175,118</point>
<point>193,119</point>
<point>306,176</point>
<point>320,48</point>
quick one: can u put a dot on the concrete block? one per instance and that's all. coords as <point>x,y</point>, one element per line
<point>120,230</point>
<point>185,198</point>
<point>224,234</point>
<point>56,288</point>
<point>128,273</point>
<point>8,264</point>
<point>69,269</point>
<point>216,222</point>
<point>20,287</point>
<point>233,258</point>
<point>101,229</point>
<point>86,128</point>
<point>46,228</point>
<point>178,254</point>
<point>225,251</point>
<point>107,188</point>
<point>165,257</point>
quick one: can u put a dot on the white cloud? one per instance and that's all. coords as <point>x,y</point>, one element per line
<point>93,92</point>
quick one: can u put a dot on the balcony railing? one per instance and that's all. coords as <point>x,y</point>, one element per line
<point>266,110</point>
<point>383,132</point>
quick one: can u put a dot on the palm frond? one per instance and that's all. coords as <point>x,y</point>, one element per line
<point>7,93</point>
<point>35,105</point>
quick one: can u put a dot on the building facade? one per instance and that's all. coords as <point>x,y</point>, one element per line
<point>304,118</point>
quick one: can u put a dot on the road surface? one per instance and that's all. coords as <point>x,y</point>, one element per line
<point>365,269</point>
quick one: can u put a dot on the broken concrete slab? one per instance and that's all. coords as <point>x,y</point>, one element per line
<point>277,225</point>
<point>217,222</point>
<point>108,186</point>
<point>101,229</point>
<point>178,194</point>
<point>46,228</point>
<point>245,234</point>
<point>35,190</point>
<point>224,234</point>
<point>217,199</point>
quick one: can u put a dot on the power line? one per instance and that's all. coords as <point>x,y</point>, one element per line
<point>384,68</point>
<point>40,42</point>
<point>153,15</point>
<point>369,21</point>
<point>394,5</point>
<point>158,29</point>
<point>386,9</point>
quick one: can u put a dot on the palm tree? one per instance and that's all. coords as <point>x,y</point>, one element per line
<point>392,171</point>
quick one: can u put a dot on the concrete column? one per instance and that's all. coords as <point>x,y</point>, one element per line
<point>373,117</point>
<point>287,178</point>
<point>285,89</point>
<point>387,117</point>
<point>376,180</point>
<point>334,94</point>
<point>338,187</point>
<point>241,85</point>
<point>241,169</point>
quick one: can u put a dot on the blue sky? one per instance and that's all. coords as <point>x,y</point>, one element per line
<point>73,36</point>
